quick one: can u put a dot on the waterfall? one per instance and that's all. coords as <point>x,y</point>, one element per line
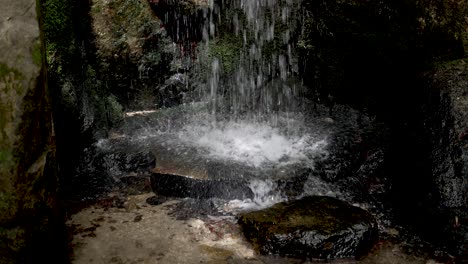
<point>252,97</point>
<point>248,113</point>
<point>254,65</point>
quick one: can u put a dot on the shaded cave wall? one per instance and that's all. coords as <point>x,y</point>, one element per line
<point>105,58</point>
<point>402,62</point>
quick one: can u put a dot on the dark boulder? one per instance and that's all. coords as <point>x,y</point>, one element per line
<point>123,163</point>
<point>121,157</point>
<point>135,184</point>
<point>312,227</point>
<point>182,186</point>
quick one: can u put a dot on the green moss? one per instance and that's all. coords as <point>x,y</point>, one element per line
<point>5,70</point>
<point>114,109</point>
<point>37,53</point>
<point>96,9</point>
<point>16,237</point>
<point>11,84</point>
<point>58,32</point>
<point>227,50</point>
<point>453,64</point>
<point>7,201</point>
<point>5,156</point>
<point>57,19</point>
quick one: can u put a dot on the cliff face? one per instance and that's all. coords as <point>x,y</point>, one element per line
<point>28,178</point>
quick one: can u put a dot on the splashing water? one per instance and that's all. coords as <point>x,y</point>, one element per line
<point>247,116</point>
<point>252,69</point>
<point>255,144</point>
<point>265,195</point>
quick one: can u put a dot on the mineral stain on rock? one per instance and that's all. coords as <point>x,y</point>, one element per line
<point>312,227</point>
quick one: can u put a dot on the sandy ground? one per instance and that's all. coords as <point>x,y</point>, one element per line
<point>142,233</point>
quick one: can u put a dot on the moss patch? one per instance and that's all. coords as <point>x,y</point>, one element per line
<point>227,50</point>
<point>37,53</point>
<point>5,70</point>
<point>5,156</point>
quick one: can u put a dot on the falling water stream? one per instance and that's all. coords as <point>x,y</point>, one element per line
<point>252,114</point>
<point>249,123</point>
<point>261,79</point>
<point>248,119</point>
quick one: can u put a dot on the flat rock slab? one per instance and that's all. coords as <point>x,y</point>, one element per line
<point>181,186</point>
<point>313,227</point>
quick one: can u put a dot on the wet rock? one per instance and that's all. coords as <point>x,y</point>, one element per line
<point>181,186</point>
<point>117,201</point>
<point>112,164</point>
<point>126,162</point>
<point>130,206</point>
<point>174,89</point>
<point>190,208</point>
<point>135,185</point>
<point>134,53</point>
<point>183,20</point>
<point>156,200</point>
<point>448,130</point>
<point>313,227</point>
<point>432,191</point>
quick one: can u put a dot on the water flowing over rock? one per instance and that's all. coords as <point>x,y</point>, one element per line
<point>313,227</point>
<point>263,101</point>
<point>245,51</point>
<point>256,73</point>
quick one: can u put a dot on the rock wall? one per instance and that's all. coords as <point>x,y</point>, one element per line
<point>402,62</point>
<point>104,58</point>
<point>449,97</point>
<point>134,54</point>
<point>446,126</point>
<point>28,181</point>
<point>362,53</point>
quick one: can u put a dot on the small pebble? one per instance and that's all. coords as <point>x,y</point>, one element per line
<point>138,218</point>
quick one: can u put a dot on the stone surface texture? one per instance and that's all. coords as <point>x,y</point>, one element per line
<point>446,124</point>
<point>450,132</point>
<point>140,233</point>
<point>27,177</point>
<point>313,227</point>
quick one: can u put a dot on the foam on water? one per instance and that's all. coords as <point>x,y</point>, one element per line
<point>254,144</point>
<point>265,195</point>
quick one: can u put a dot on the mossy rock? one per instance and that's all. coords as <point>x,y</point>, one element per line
<point>312,227</point>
